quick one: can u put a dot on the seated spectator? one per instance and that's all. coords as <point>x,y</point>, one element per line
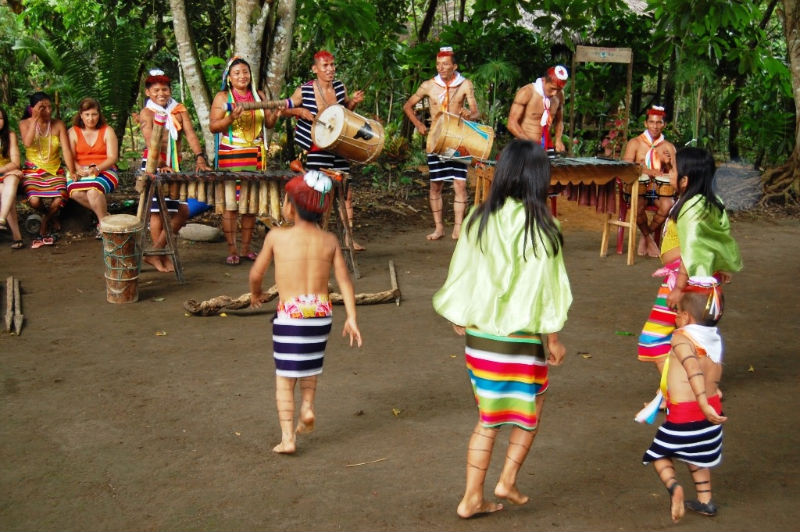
<point>9,179</point>
<point>46,142</point>
<point>94,144</point>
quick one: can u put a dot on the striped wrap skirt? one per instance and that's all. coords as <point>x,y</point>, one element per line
<point>507,373</point>
<point>105,182</point>
<point>656,335</point>
<point>298,343</point>
<point>698,443</point>
<point>38,182</point>
<point>444,169</point>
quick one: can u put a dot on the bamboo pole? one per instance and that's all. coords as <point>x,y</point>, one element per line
<point>18,318</point>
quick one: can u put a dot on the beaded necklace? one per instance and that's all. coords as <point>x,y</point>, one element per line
<point>38,134</point>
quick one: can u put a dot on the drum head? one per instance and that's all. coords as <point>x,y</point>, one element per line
<point>436,132</point>
<point>121,223</point>
<point>328,126</point>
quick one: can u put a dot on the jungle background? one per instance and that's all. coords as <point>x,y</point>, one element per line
<point>728,72</point>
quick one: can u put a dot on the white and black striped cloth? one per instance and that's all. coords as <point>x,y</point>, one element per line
<point>298,345</point>
<point>444,169</point>
<point>698,443</point>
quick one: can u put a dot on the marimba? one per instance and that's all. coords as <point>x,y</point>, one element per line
<point>583,172</point>
<point>259,193</point>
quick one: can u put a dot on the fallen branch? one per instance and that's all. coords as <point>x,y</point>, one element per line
<point>17,308</point>
<point>216,305</point>
<point>9,303</point>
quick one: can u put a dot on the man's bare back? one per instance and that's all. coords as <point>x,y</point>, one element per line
<point>303,259</point>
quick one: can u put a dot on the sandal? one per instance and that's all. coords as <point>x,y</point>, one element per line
<point>3,224</point>
<point>48,240</point>
<point>98,234</point>
<point>37,243</point>
<point>17,244</point>
<point>251,256</point>
<point>232,260</point>
<point>703,508</point>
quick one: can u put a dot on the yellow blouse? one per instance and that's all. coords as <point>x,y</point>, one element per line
<point>45,153</point>
<point>669,240</point>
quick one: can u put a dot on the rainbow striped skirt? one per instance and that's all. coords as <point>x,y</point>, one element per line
<point>507,373</point>
<point>38,182</point>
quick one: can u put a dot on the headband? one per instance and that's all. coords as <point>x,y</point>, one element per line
<point>710,286</point>
<point>559,75</point>
<point>323,54</point>
<point>310,192</point>
<point>157,76</point>
<point>656,111</point>
<point>445,51</point>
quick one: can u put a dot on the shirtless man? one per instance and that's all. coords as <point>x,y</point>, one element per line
<point>537,112</point>
<point>656,155</point>
<point>311,99</point>
<point>177,127</point>
<point>448,91</point>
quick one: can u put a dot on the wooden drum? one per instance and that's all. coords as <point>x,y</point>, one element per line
<point>664,188</point>
<point>347,134</point>
<point>122,254</point>
<point>452,137</point>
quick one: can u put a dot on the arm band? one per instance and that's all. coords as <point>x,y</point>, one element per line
<point>289,103</point>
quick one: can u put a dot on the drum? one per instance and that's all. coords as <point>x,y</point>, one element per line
<point>663,187</point>
<point>122,255</point>
<point>347,134</point>
<point>645,186</point>
<point>452,137</point>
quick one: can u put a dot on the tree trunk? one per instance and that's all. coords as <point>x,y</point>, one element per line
<point>280,47</point>
<point>192,71</point>
<point>427,22</point>
<point>250,20</point>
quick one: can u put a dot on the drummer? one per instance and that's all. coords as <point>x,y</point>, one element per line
<point>312,98</point>
<point>537,112</point>
<point>448,91</point>
<point>655,154</point>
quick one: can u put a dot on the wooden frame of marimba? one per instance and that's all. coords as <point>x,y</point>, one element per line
<point>259,194</point>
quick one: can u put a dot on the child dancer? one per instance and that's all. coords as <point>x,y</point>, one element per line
<point>692,432</point>
<point>304,255</point>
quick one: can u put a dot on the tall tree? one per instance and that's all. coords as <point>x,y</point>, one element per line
<point>783,183</point>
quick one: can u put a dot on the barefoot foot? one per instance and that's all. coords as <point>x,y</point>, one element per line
<point>642,249</point>
<point>677,508</point>
<point>652,247</point>
<point>156,262</point>
<point>511,494</point>
<point>436,235</point>
<point>467,509</point>
<point>305,424</point>
<point>285,447</point>
<point>456,232</point>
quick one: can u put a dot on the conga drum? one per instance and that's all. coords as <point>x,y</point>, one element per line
<point>663,187</point>
<point>122,255</point>
<point>347,134</point>
<point>452,137</point>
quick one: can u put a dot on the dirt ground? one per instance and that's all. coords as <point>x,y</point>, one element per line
<point>139,417</point>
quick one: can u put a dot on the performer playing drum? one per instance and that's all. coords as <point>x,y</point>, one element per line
<point>241,146</point>
<point>448,91</point>
<point>537,112</point>
<point>656,155</point>
<point>311,99</point>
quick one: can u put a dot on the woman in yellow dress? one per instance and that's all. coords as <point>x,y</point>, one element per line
<point>241,146</point>
<point>46,142</point>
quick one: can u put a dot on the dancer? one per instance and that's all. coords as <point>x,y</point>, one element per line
<point>507,289</point>
<point>303,254</point>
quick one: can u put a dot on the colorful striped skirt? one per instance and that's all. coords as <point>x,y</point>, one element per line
<point>238,159</point>
<point>105,182</point>
<point>39,183</point>
<point>507,373</point>
<point>298,344</point>
<point>654,340</point>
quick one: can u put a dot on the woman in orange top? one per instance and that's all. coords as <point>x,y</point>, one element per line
<point>94,144</point>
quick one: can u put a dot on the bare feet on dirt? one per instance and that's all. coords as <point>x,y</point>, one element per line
<point>676,504</point>
<point>511,494</point>
<point>285,447</point>
<point>469,508</point>
<point>436,235</point>
<point>305,424</point>
<point>160,263</point>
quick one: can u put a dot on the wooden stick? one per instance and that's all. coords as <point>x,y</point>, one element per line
<point>249,106</point>
<point>17,308</point>
<point>9,303</point>
<point>365,463</point>
<point>393,280</point>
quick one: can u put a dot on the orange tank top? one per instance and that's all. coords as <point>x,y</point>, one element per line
<point>95,154</point>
